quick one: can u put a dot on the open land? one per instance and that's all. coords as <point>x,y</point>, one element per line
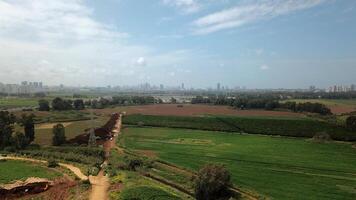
<point>274,167</point>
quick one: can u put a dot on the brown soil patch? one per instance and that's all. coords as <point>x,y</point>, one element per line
<point>194,110</point>
<point>50,125</point>
<point>339,109</point>
<point>148,153</point>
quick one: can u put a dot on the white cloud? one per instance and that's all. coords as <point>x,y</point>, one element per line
<point>250,12</point>
<point>186,6</point>
<point>141,61</point>
<point>264,67</point>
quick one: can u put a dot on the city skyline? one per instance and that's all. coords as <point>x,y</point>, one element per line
<point>255,43</point>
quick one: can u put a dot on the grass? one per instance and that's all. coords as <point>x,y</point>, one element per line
<point>275,167</point>
<point>44,136</point>
<point>15,102</point>
<point>12,170</point>
<point>147,193</point>
<point>295,127</point>
<point>328,102</point>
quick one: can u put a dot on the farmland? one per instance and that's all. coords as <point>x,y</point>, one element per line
<point>194,110</point>
<point>295,127</point>
<point>14,102</point>
<point>18,170</point>
<point>275,167</point>
<point>337,106</point>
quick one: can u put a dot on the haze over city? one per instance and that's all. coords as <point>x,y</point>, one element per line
<point>258,44</point>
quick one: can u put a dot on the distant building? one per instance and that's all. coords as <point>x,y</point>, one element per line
<point>218,87</point>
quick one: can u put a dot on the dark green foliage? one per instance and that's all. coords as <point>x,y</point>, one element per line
<point>7,121</point>
<point>43,105</point>
<point>20,141</point>
<point>212,183</point>
<point>61,104</point>
<point>59,137</point>
<point>28,122</point>
<point>261,102</point>
<point>79,104</point>
<point>52,163</point>
<point>351,123</point>
<point>294,127</point>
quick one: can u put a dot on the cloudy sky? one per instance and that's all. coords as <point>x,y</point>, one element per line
<point>253,43</point>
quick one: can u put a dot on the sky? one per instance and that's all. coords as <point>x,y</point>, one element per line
<point>252,43</point>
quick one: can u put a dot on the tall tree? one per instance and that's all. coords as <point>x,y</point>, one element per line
<point>79,104</point>
<point>7,121</point>
<point>43,105</point>
<point>28,122</point>
<point>59,137</point>
<point>20,141</point>
<point>213,182</point>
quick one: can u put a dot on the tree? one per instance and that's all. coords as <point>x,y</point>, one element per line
<point>28,123</point>
<point>20,141</point>
<point>59,137</point>
<point>43,105</point>
<point>79,104</point>
<point>212,183</point>
<point>60,104</point>
<point>7,121</point>
<point>351,123</point>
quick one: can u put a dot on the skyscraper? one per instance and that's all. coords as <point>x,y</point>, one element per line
<point>218,87</point>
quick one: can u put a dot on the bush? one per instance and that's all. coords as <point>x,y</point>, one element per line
<point>351,123</point>
<point>212,183</point>
<point>51,163</point>
<point>10,149</point>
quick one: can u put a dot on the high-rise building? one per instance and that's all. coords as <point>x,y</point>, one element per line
<point>182,86</point>
<point>218,87</point>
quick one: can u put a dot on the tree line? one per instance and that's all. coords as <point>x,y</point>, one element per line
<point>59,104</point>
<point>262,103</point>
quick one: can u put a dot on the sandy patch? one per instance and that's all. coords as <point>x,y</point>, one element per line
<point>50,125</point>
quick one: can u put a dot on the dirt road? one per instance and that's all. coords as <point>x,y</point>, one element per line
<point>100,183</point>
<point>72,168</point>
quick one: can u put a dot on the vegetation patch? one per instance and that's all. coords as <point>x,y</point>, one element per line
<point>11,170</point>
<point>294,127</point>
<point>146,193</point>
<point>275,167</point>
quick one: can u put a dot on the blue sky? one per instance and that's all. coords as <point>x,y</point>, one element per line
<point>253,43</point>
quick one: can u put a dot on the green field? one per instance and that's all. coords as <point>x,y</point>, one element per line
<point>275,167</point>
<point>295,127</point>
<point>44,135</point>
<point>12,170</point>
<point>6,103</point>
<point>328,102</point>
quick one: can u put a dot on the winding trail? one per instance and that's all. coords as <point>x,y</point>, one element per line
<point>72,168</point>
<point>100,183</point>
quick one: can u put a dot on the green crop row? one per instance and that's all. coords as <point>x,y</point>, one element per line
<point>266,126</point>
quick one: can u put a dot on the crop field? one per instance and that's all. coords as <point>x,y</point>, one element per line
<point>337,106</point>
<point>44,131</point>
<point>295,127</point>
<point>194,110</point>
<point>274,167</point>
<point>11,170</point>
<point>13,102</point>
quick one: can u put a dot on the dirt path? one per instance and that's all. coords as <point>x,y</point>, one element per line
<point>72,168</point>
<point>100,183</point>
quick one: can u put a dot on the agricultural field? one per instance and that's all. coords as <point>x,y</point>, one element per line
<point>194,110</point>
<point>16,102</point>
<point>273,167</point>
<point>337,106</point>
<point>12,170</point>
<point>283,126</point>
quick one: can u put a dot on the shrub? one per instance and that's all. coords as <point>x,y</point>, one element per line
<point>212,183</point>
<point>51,163</point>
<point>351,123</point>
